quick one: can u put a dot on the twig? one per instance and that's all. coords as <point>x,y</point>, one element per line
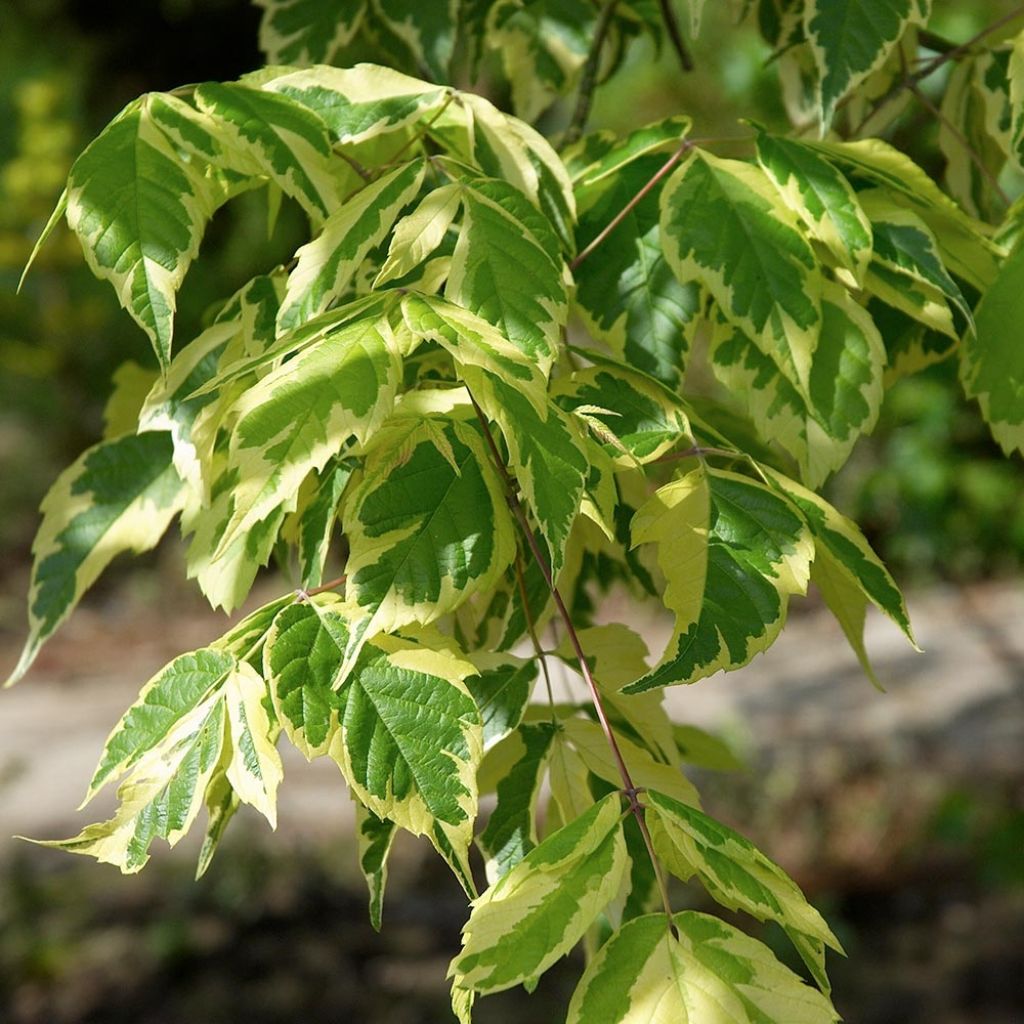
<point>629,789</point>
<point>412,140</point>
<point>588,80</point>
<point>697,451</point>
<point>684,147</point>
<point>531,628</point>
<point>962,139</point>
<point>668,16</point>
<point>908,81</point>
<point>305,595</point>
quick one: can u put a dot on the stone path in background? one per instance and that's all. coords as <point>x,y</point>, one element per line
<point>957,709</point>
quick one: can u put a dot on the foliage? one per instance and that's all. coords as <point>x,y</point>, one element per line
<point>474,387</point>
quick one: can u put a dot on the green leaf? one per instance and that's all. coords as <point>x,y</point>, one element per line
<point>735,873</point>
<point>410,740</point>
<point>140,212</point>
<point>361,103</point>
<point>419,233</point>
<point>511,831</point>
<point>161,797</point>
<point>170,697</point>
<point>318,521</point>
<point>851,38</point>
<point>707,972</point>
<point>327,265</point>
<point>846,569</point>
<point>308,31</point>
<point>545,458</point>
<point>302,658</point>
<point>992,369</point>
<point>640,419</point>
<point>821,197</point>
<point>300,414</point>
<point>505,268</point>
<point>473,341</point>
<point>543,46</point>
<point>428,30</point>
<point>845,393</point>
<point>375,836</point>
<point>724,225</point>
<point>732,553</point>
<point>628,294</point>
<point>267,133</point>
<point>427,527</point>
<point>540,909</point>
<point>118,496</point>
<point>501,690</point>
<point>255,769</point>
<point>966,250</point>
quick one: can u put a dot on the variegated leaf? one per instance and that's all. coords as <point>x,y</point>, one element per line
<point>732,553</point>
<point>267,133</point>
<point>546,458</point>
<point>628,294</point>
<point>845,391</point>
<point>327,265</point>
<point>162,796</point>
<point>308,31</point>
<point>641,419</point>
<point>851,38</point>
<point>301,660</point>
<point>821,197</point>
<point>538,911</point>
<point>724,224</point>
<point>427,30</point>
<point>254,770</point>
<point>410,740</point>
<point>118,496</point>
<point>375,836</point>
<point>965,249</point>
<point>846,569</point>
<point>543,46</point>
<point>427,527</point>
<point>140,213</point>
<point>299,415</point>
<point>506,269</point>
<point>511,831</point>
<point>703,971</point>
<point>735,873</point>
<point>993,361</point>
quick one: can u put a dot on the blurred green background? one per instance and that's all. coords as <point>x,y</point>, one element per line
<point>278,932</point>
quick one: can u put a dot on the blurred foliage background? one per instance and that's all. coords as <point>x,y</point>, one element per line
<point>935,495</point>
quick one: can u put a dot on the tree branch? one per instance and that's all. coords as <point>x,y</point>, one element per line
<point>684,147</point>
<point>668,16</point>
<point>588,81</point>
<point>628,787</point>
<point>962,139</point>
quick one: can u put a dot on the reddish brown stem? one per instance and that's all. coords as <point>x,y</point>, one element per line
<point>684,147</point>
<point>628,787</point>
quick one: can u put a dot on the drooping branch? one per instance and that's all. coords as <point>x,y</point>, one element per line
<point>629,789</point>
